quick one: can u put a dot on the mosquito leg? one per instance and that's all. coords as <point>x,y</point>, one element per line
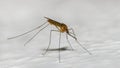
<point>49,41</point>
<point>48,44</point>
<point>69,42</point>
<point>83,47</point>
<point>78,42</point>
<point>59,47</point>
<point>27,31</point>
<point>35,35</point>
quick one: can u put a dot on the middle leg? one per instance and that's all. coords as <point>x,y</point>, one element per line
<point>49,41</point>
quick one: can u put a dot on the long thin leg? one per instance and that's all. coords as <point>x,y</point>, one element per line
<point>27,31</point>
<point>49,41</point>
<point>79,42</point>
<point>35,35</point>
<point>59,47</point>
<point>69,42</point>
<point>83,47</point>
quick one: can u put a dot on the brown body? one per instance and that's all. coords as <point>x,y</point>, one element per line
<point>61,26</point>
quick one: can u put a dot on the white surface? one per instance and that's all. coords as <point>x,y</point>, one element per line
<point>96,24</point>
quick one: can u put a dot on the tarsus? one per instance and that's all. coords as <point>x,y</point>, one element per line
<point>80,44</point>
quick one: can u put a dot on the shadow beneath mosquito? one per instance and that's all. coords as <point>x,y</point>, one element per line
<point>61,49</point>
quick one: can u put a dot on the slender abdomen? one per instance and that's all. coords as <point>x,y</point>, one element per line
<point>53,22</point>
<point>62,27</point>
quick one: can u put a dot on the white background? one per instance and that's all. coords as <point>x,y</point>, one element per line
<point>95,22</point>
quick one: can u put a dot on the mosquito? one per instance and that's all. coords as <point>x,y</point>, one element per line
<point>61,28</point>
